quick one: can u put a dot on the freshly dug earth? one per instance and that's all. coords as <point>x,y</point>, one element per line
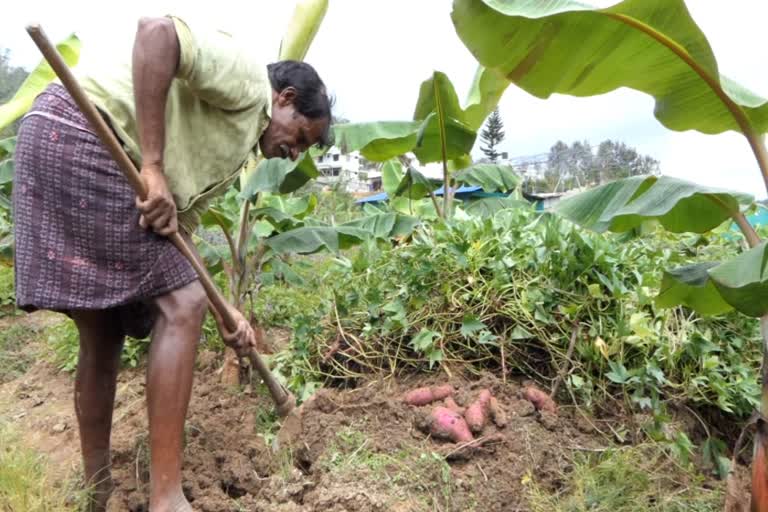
<point>359,450</point>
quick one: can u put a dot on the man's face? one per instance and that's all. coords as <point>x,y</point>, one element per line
<point>289,133</point>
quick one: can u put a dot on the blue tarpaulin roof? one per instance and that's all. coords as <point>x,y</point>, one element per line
<point>382,196</point>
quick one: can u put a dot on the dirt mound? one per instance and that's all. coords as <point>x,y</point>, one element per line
<point>359,450</point>
<point>420,473</point>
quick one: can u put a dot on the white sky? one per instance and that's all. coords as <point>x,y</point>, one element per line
<point>373,55</point>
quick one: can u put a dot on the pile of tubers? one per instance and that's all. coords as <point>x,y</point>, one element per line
<point>452,422</point>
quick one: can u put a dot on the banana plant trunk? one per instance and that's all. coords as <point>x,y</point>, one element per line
<point>306,20</point>
<point>760,458</point>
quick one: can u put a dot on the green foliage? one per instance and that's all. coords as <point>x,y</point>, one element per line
<point>493,178</point>
<point>279,303</point>
<point>279,175</point>
<point>335,207</point>
<point>441,126</point>
<point>743,281</point>
<point>490,206</point>
<point>7,291</point>
<point>691,286</point>
<point>15,353</point>
<point>570,47</point>
<point>377,141</point>
<point>25,484</point>
<point>421,476</point>
<point>639,479</point>
<point>7,149</point>
<point>680,206</point>
<point>391,175</point>
<point>65,341</point>
<point>484,94</point>
<point>37,81</point>
<point>305,22</point>
<point>461,292</point>
<point>414,185</point>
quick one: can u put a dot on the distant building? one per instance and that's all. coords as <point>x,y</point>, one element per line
<point>351,172</point>
<point>354,174</point>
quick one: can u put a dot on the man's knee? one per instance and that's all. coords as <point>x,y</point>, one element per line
<point>185,305</point>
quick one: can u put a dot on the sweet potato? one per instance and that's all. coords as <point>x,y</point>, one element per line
<point>477,412</point>
<point>497,413</point>
<point>540,400</point>
<point>447,424</point>
<point>427,395</point>
<point>452,405</point>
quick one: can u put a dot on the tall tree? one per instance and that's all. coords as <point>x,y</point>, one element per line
<point>616,160</point>
<point>577,166</point>
<point>11,78</point>
<point>492,135</point>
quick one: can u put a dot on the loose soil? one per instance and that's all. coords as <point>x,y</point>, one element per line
<point>359,449</point>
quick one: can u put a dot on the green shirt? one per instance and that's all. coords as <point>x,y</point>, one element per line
<point>218,106</point>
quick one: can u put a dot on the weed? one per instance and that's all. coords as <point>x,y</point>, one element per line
<point>285,462</point>
<point>65,340</point>
<point>267,424</point>
<point>7,292</point>
<point>211,340</point>
<point>15,356</point>
<point>422,476</point>
<point>641,478</point>
<point>24,485</point>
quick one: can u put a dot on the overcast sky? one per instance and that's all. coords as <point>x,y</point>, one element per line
<point>373,55</point>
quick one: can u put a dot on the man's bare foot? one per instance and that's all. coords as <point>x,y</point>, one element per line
<point>99,494</point>
<point>176,504</point>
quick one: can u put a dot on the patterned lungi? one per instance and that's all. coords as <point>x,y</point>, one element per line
<point>79,245</point>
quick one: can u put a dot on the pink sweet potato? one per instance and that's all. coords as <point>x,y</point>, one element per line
<point>540,400</point>
<point>497,413</point>
<point>447,424</point>
<point>427,395</point>
<point>452,405</point>
<point>477,412</point>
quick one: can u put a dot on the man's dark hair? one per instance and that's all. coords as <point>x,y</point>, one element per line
<point>312,100</point>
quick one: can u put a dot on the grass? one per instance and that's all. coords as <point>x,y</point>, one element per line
<point>65,341</point>
<point>421,476</point>
<point>24,485</point>
<point>15,356</point>
<point>7,293</point>
<point>641,478</point>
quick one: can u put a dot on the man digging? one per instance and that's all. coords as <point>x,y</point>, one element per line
<point>189,109</point>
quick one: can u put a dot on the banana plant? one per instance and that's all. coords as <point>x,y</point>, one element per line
<point>653,46</point>
<point>262,223</point>
<point>7,150</point>
<point>302,28</point>
<point>441,131</point>
<point>7,147</point>
<point>37,81</point>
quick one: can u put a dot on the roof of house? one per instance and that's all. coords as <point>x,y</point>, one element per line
<point>383,196</point>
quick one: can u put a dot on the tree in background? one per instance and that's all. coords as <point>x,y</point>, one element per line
<point>492,135</point>
<point>578,166</point>
<point>11,78</point>
<point>616,160</point>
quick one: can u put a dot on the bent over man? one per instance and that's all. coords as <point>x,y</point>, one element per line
<point>189,107</point>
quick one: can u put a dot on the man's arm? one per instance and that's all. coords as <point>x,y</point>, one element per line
<point>155,61</point>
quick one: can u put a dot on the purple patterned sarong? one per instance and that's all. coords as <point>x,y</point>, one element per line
<point>79,245</point>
